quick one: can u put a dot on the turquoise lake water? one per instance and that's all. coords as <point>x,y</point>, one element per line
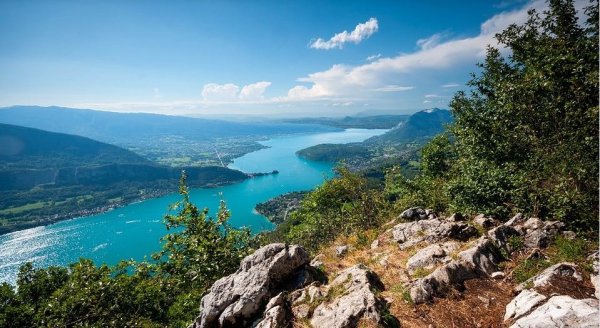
<point>133,231</point>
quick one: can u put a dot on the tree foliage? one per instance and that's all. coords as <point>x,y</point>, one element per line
<point>525,136</point>
<point>341,206</point>
<point>158,293</point>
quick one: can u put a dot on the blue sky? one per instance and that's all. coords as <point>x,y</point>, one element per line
<point>273,58</point>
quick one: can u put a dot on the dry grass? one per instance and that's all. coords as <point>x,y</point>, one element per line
<point>459,309</point>
<point>481,303</point>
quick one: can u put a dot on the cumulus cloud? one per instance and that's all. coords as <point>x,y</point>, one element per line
<point>254,91</point>
<point>361,31</point>
<point>434,55</point>
<point>229,92</point>
<point>220,92</point>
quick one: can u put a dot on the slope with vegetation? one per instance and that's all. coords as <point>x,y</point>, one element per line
<point>398,146</point>
<point>544,96</point>
<point>165,139</point>
<point>46,177</point>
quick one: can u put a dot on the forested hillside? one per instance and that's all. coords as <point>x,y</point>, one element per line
<point>398,146</point>
<point>164,139</point>
<point>46,176</point>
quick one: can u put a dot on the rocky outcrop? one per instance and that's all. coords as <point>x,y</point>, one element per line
<point>523,304</point>
<point>352,298</point>
<point>595,275</point>
<point>538,233</point>
<point>557,271</point>
<point>533,308</point>
<point>480,260</point>
<point>431,230</point>
<point>341,251</point>
<point>502,236</point>
<point>430,256</point>
<point>415,213</point>
<point>484,221</point>
<point>562,311</point>
<point>237,299</point>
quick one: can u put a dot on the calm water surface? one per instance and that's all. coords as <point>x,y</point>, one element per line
<point>133,231</point>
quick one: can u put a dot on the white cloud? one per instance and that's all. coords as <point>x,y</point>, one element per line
<point>434,56</point>
<point>430,42</point>
<point>426,101</point>
<point>220,92</point>
<point>373,57</point>
<point>254,91</point>
<point>394,88</point>
<point>231,93</point>
<point>434,96</point>
<point>451,85</point>
<point>361,31</point>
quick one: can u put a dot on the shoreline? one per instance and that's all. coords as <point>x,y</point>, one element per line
<point>156,193</point>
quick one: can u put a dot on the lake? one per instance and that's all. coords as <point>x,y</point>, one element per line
<point>134,231</point>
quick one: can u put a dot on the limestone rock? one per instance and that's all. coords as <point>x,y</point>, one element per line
<point>431,230</point>
<point>595,275</point>
<point>560,270</point>
<point>275,317</point>
<point>526,301</point>
<point>352,299</point>
<point>479,260</point>
<point>498,275</point>
<point>501,237</point>
<point>375,244</point>
<point>456,217</point>
<point>570,235</point>
<point>236,300</point>
<point>484,221</point>
<point>484,257</point>
<point>562,311</point>
<point>414,213</point>
<point>540,233</point>
<point>431,256</point>
<point>518,219</point>
<point>317,261</point>
<point>341,251</point>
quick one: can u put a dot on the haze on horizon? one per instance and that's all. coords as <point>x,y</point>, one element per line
<point>267,58</point>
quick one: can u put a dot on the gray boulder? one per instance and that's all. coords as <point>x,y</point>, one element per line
<point>317,261</point>
<point>526,301</point>
<point>352,299</point>
<point>430,256</point>
<point>518,219</point>
<point>595,276</point>
<point>477,261</point>
<point>501,237</point>
<point>432,230</point>
<point>539,234</point>
<point>414,213</point>
<point>562,311</point>
<point>341,251</point>
<point>456,217</point>
<point>484,221</point>
<point>560,270</point>
<point>276,313</point>
<point>237,299</point>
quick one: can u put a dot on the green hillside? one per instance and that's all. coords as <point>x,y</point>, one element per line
<point>47,176</point>
<point>399,145</point>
